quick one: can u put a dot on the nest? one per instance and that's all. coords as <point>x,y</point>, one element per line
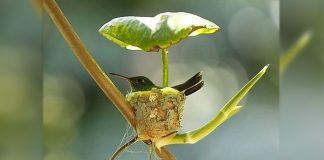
<point>158,112</point>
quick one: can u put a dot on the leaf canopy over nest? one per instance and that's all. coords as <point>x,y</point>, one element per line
<point>154,33</point>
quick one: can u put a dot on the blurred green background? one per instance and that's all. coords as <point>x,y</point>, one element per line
<point>301,86</point>
<point>20,81</point>
<point>51,109</point>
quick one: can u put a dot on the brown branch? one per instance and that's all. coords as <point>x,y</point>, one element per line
<point>88,62</point>
<point>111,91</point>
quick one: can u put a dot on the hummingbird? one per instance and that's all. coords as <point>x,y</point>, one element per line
<point>142,83</point>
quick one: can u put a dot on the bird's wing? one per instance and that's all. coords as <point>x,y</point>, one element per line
<point>192,85</point>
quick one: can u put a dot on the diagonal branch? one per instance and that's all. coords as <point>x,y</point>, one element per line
<point>93,68</point>
<point>88,61</point>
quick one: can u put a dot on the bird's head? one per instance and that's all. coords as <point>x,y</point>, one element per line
<point>138,83</point>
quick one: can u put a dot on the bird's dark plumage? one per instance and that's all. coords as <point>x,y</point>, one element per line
<point>141,83</point>
<point>191,85</point>
<point>194,88</point>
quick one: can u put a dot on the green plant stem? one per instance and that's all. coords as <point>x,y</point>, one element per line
<point>79,49</point>
<point>165,68</point>
<point>88,61</point>
<point>225,113</point>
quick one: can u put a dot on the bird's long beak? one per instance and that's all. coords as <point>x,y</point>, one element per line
<point>124,77</point>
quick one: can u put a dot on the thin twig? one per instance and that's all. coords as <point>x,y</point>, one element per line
<point>88,62</point>
<point>124,147</point>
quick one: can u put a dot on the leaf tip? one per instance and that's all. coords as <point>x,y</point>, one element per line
<point>102,29</point>
<point>265,68</point>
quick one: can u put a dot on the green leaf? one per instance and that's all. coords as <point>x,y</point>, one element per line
<point>225,113</point>
<point>154,33</point>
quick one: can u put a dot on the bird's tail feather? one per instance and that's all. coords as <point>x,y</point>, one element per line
<point>192,85</point>
<point>194,88</point>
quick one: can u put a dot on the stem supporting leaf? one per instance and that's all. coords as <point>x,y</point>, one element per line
<point>165,68</point>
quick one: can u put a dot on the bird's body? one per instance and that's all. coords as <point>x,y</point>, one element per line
<point>158,110</point>
<point>141,83</point>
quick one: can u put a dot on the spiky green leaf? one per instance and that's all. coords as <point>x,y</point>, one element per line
<point>225,113</point>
